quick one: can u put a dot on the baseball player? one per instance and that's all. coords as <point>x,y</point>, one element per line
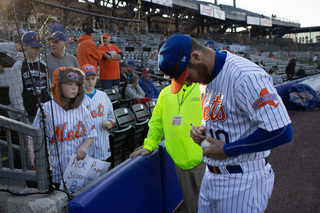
<point>100,107</point>
<point>243,117</point>
<point>70,127</point>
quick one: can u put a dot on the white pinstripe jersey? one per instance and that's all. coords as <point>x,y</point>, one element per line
<point>237,102</point>
<point>71,128</point>
<point>101,109</point>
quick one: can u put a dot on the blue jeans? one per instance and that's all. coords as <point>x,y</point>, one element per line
<point>109,84</point>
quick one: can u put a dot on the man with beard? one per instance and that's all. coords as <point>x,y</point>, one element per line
<point>243,117</point>
<point>58,56</point>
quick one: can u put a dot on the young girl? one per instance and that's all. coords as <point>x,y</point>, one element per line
<point>132,90</point>
<point>100,107</point>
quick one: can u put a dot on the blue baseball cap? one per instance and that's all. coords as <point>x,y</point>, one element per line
<point>173,60</point>
<point>131,63</point>
<point>31,38</point>
<point>58,36</point>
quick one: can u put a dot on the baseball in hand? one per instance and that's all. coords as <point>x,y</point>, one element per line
<point>205,143</point>
<point>106,124</point>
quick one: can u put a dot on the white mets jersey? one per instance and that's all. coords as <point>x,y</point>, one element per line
<point>101,109</point>
<point>69,129</point>
<point>237,102</point>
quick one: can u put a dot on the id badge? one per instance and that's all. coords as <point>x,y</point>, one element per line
<point>177,120</point>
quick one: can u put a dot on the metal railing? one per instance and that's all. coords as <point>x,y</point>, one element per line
<point>15,173</point>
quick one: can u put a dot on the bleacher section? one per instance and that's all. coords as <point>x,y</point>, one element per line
<point>270,63</point>
<point>139,49</point>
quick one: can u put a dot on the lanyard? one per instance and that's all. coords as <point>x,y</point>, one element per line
<point>183,99</point>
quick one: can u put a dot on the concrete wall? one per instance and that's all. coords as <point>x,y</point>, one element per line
<point>50,203</point>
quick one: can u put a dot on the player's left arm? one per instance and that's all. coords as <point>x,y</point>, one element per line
<point>259,100</point>
<point>258,141</point>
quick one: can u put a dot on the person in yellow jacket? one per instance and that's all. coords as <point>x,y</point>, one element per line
<point>172,117</point>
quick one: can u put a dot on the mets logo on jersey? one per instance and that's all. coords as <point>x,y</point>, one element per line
<point>264,99</point>
<point>99,112</point>
<point>216,112</point>
<point>62,136</point>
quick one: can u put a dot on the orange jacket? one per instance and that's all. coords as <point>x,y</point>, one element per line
<point>88,52</point>
<point>109,70</point>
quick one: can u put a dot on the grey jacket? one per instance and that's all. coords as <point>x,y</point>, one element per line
<point>135,93</point>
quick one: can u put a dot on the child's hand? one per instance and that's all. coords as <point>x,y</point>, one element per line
<point>81,153</point>
<point>107,125</point>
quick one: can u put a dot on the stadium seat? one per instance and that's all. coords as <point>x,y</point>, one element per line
<point>158,85</point>
<point>151,105</point>
<point>124,117</point>
<point>141,112</point>
<point>140,133</point>
<point>117,100</point>
<point>119,140</point>
<point>165,83</point>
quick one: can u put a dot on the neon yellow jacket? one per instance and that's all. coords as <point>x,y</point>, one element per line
<point>183,150</point>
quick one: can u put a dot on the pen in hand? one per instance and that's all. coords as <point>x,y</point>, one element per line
<point>204,143</point>
<point>195,128</point>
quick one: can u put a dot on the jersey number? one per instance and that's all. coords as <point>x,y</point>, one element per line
<point>218,135</point>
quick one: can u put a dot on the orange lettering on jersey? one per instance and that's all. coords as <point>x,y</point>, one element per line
<point>207,113</point>
<point>59,133</point>
<point>99,112</point>
<point>264,99</point>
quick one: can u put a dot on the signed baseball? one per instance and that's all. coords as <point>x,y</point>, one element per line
<point>205,143</point>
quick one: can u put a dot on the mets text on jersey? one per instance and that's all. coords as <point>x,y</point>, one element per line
<point>60,135</point>
<point>216,112</point>
<point>99,112</point>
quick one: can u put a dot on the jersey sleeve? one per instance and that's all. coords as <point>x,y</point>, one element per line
<point>89,125</point>
<point>110,114</point>
<point>259,100</point>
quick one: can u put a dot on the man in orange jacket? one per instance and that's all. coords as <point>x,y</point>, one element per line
<point>109,69</point>
<point>88,52</point>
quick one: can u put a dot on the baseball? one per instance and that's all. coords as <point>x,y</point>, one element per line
<point>106,124</point>
<point>205,143</point>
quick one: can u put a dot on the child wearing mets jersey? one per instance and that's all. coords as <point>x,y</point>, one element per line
<point>69,125</point>
<point>100,107</point>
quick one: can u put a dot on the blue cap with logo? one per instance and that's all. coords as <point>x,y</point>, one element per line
<point>173,60</point>
<point>131,63</point>
<point>31,38</point>
<point>58,36</point>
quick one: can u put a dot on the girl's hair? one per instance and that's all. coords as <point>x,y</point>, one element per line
<point>123,91</point>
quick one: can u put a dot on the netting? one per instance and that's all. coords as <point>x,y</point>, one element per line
<point>25,165</point>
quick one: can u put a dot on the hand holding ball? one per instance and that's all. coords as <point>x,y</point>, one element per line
<point>106,124</point>
<point>205,143</point>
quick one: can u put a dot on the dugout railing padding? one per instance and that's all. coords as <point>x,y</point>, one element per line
<point>144,184</point>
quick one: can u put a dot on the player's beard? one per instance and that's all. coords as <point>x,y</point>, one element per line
<point>203,72</point>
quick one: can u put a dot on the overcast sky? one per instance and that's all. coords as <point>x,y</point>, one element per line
<point>306,12</point>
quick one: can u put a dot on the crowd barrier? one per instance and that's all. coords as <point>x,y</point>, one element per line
<point>144,184</point>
